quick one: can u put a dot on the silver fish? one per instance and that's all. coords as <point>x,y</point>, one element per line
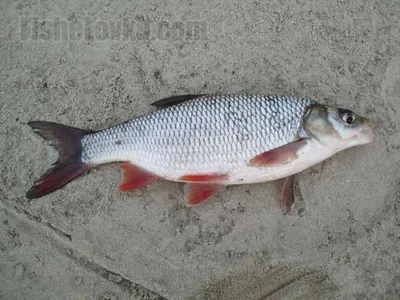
<point>208,142</point>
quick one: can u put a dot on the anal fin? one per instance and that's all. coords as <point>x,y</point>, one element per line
<point>135,177</point>
<point>196,193</point>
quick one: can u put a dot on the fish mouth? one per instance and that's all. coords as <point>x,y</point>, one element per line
<point>366,134</point>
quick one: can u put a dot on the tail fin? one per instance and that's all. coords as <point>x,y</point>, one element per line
<point>69,165</point>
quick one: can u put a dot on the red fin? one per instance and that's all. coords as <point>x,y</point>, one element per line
<point>203,177</point>
<point>196,193</point>
<point>69,166</point>
<point>287,194</point>
<point>135,177</point>
<point>56,178</point>
<point>278,156</point>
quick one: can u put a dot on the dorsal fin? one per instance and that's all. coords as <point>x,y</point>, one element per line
<point>170,101</point>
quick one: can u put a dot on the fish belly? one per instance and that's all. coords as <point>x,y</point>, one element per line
<point>312,153</point>
<point>242,172</point>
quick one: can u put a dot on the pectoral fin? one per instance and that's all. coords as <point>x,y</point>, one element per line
<point>278,156</point>
<point>196,193</point>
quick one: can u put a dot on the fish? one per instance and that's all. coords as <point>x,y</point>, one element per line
<point>207,142</point>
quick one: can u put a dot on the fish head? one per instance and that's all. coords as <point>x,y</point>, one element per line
<point>337,128</point>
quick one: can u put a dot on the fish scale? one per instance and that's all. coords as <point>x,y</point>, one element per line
<point>210,134</point>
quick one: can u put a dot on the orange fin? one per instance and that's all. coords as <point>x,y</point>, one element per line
<point>135,177</point>
<point>203,177</point>
<point>196,193</point>
<point>287,194</point>
<point>278,156</point>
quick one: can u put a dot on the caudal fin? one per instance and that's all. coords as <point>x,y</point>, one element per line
<point>69,165</point>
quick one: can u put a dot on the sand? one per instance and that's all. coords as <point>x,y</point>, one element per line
<point>68,62</point>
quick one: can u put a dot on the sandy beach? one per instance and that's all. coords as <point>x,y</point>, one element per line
<point>94,64</point>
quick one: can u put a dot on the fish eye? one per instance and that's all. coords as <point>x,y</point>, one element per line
<point>347,116</point>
